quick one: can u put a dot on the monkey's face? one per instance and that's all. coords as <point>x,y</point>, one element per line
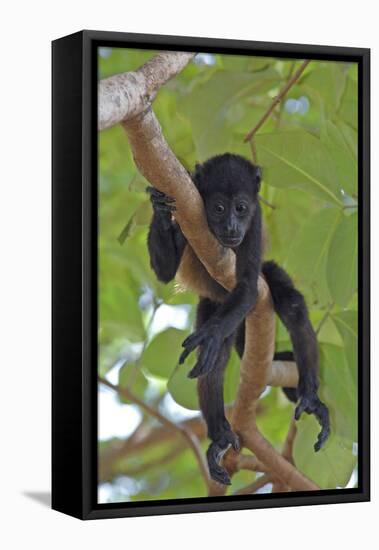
<point>229,217</point>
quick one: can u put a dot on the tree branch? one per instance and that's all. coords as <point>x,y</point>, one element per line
<point>253,487</point>
<point>190,437</point>
<point>125,95</point>
<point>287,452</point>
<point>277,100</point>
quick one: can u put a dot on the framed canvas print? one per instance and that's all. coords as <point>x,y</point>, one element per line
<point>210,275</point>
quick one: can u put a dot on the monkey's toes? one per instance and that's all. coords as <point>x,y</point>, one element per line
<point>220,475</point>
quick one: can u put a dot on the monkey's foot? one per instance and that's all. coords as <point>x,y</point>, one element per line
<point>215,453</point>
<point>211,340</point>
<point>311,404</point>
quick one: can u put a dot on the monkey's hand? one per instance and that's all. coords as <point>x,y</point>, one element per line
<point>311,404</point>
<point>215,453</point>
<point>210,339</point>
<point>163,205</point>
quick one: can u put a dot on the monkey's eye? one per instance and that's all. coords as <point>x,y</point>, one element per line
<point>219,208</point>
<point>241,208</point>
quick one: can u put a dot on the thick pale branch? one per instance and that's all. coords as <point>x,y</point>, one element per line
<point>284,374</point>
<point>156,161</point>
<point>256,370</point>
<point>126,95</point>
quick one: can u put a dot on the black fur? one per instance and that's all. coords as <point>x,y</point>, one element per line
<point>229,185</point>
<point>291,393</point>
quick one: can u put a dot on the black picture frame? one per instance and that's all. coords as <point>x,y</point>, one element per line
<point>74,273</point>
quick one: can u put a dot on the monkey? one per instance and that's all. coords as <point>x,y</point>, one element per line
<point>229,185</point>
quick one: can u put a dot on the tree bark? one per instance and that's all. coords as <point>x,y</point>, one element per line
<point>125,95</point>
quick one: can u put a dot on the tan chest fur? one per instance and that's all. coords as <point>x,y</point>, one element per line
<point>192,275</point>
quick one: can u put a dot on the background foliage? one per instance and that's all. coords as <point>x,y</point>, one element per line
<point>308,151</point>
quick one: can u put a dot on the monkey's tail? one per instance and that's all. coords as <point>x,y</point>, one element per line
<point>290,306</point>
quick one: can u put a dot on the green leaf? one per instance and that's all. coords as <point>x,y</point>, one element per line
<point>162,354</point>
<point>344,160</point>
<point>110,354</point>
<point>348,111</point>
<point>183,389</point>
<point>215,106</point>
<point>126,231</point>
<point>342,264</point>
<point>231,378</point>
<point>328,81</point>
<point>339,391</point>
<point>298,159</point>
<point>275,413</point>
<point>332,466</point>
<point>307,258</point>
<point>347,325</point>
<point>328,332</point>
<point>120,314</point>
<point>293,208</point>
<point>350,136</point>
<point>132,378</point>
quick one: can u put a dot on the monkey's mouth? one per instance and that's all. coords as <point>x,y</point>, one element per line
<point>230,242</point>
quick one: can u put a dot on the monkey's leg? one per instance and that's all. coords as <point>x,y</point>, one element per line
<point>290,305</point>
<point>211,398</point>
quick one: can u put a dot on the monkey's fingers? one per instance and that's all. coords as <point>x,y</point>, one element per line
<point>162,207</point>
<point>214,457</point>
<point>311,404</point>
<point>153,191</point>
<point>185,353</point>
<point>190,344</point>
<point>208,356</point>
<point>194,339</point>
<point>157,196</point>
<point>183,356</point>
<point>322,415</point>
<point>300,409</point>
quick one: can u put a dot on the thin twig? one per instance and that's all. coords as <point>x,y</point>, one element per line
<point>266,202</point>
<point>290,73</point>
<point>253,151</point>
<point>154,463</point>
<point>191,438</point>
<point>277,100</point>
<point>287,451</point>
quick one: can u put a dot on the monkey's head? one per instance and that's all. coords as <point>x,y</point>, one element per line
<point>229,186</point>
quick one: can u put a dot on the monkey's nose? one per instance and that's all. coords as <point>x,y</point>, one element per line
<point>232,232</point>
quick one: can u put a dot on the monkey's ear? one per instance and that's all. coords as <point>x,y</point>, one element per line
<point>196,176</point>
<point>258,177</point>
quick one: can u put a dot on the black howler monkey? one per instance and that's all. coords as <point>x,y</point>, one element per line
<point>229,186</point>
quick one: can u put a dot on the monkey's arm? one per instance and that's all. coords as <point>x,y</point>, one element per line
<point>165,241</point>
<point>231,313</point>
